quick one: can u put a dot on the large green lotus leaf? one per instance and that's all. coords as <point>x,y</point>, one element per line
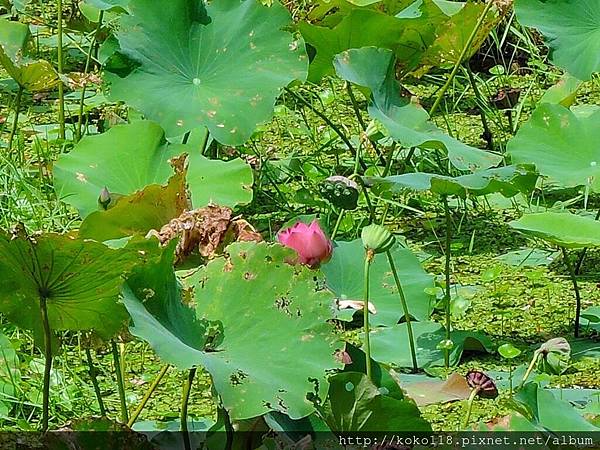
<point>138,213</point>
<point>33,76</point>
<point>355,404</point>
<point>564,92</point>
<point>80,279</point>
<point>563,229</point>
<point>405,35</point>
<point>406,122</point>
<point>386,380</point>
<point>226,183</point>
<point>276,341</point>
<point>344,276</point>
<point>220,67</point>
<point>390,345</point>
<point>590,318</point>
<point>509,181</point>
<point>550,413</point>
<point>572,31</point>
<point>562,145</point>
<point>129,157</point>
<point>125,159</point>
<point>153,298</point>
<point>269,342</point>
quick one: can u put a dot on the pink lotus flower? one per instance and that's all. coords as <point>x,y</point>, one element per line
<point>309,241</point>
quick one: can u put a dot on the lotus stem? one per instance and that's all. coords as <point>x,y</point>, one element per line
<point>47,363</point>
<point>185,399</point>
<point>120,382</point>
<point>460,59</point>
<point>447,296</point>
<point>147,395</point>
<point>411,338</point>
<point>584,251</point>
<point>328,121</point>
<point>88,62</point>
<point>15,125</point>
<point>338,222</point>
<point>575,288</point>
<point>93,376</point>
<point>61,86</point>
<point>534,360</point>
<point>467,418</point>
<point>487,133</point>
<point>367,342</point>
<point>362,123</point>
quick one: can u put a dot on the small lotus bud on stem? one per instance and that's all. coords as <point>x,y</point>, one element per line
<point>376,239</point>
<point>104,199</point>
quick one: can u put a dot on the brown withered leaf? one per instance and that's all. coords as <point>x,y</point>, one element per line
<point>207,230</point>
<point>79,80</point>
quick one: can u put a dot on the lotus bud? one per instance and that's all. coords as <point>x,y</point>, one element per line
<point>377,239</point>
<point>485,386</point>
<point>104,199</point>
<point>309,241</point>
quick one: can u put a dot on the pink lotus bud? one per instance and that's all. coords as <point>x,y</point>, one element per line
<point>309,241</point>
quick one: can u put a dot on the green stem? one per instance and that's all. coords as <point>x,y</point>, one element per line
<point>584,251</point>
<point>147,395</point>
<point>326,119</point>
<point>536,356</point>
<point>61,86</point>
<point>510,380</point>
<point>362,123</point>
<point>15,125</point>
<point>88,62</point>
<point>47,363</point>
<point>204,141</point>
<point>575,288</point>
<point>460,59</point>
<point>120,382</point>
<point>337,224</point>
<point>411,338</point>
<point>487,133</point>
<point>93,376</point>
<point>367,341</point>
<point>185,399</point>
<point>388,165</point>
<point>367,198</point>
<point>469,408</point>
<point>447,296</point>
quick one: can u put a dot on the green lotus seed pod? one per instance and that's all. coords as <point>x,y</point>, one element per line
<point>341,192</point>
<point>377,238</point>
